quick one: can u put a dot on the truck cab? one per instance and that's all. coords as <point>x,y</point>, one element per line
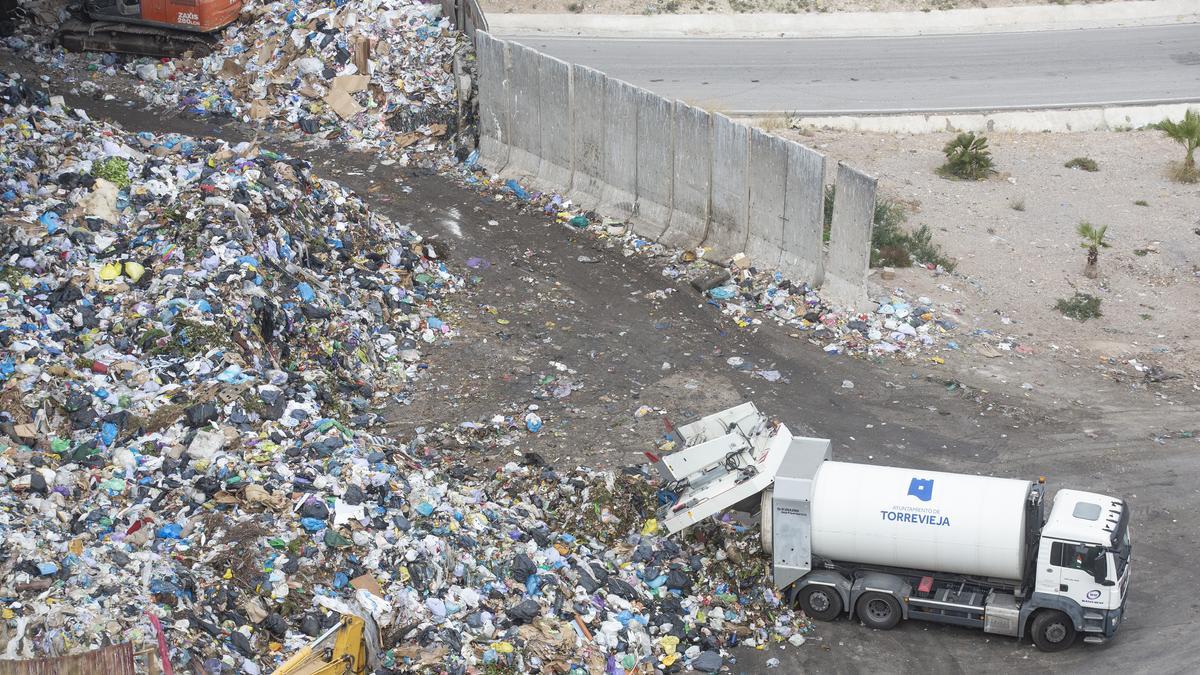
<point>1082,568</point>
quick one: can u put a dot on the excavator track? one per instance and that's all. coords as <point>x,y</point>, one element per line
<point>82,36</point>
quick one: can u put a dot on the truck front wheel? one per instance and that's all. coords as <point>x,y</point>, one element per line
<point>879,610</point>
<point>820,602</point>
<point>1052,631</point>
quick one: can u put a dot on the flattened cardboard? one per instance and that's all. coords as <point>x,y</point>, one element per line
<point>342,104</point>
<point>367,582</point>
<point>351,83</point>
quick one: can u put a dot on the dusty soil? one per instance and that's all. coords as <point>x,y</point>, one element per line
<point>1013,237</point>
<point>748,6</point>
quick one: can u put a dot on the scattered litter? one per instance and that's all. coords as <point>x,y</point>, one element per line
<point>375,75</point>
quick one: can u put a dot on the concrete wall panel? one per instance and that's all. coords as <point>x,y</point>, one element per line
<point>621,104</point>
<point>681,175</point>
<point>803,257</point>
<point>587,135</point>
<point>655,164</point>
<point>524,130</point>
<point>850,239</point>
<point>493,101</point>
<point>554,117</point>
<point>730,193</point>
<point>768,195</point>
<point>692,174</point>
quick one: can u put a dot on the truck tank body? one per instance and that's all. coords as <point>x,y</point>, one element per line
<point>923,520</point>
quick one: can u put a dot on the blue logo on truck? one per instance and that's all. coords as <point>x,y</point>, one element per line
<point>921,488</point>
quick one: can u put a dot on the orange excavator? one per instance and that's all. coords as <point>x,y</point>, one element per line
<point>149,27</point>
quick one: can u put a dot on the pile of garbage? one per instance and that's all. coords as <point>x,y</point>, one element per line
<point>375,75</point>
<point>197,341</point>
<point>899,325</point>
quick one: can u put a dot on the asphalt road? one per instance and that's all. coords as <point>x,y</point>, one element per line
<point>992,71</point>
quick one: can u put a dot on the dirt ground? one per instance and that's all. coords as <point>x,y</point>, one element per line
<point>1013,237</point>
<point>748,6</point>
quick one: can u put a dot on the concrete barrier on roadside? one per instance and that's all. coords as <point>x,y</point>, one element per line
<point>692,176</point>
<point>493,101</point>
<point>655,164</point>
<point>850,239</point>
<point>730,192</point>
<point>587,135</point>
<point>554,119</point>
<point>619,196</point>
<point>768,197</point>
<point>803,249</point>
<point>525,145</point>
<point>681,175</point>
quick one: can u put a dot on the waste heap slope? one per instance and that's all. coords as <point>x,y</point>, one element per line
<point>196,340</point>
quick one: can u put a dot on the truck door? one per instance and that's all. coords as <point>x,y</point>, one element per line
<point>1074,563</point>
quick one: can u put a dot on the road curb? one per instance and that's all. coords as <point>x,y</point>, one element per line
<point>1103,118</point>
<point>850,24</point>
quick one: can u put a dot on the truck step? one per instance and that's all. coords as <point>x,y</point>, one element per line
<point>1095,639</point>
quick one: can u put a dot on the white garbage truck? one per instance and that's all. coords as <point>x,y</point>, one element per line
<point>883,544</point>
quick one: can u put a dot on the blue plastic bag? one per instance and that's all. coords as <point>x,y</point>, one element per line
<point>516,188</point>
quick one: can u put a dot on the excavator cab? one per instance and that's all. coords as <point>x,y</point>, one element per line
<point>150,27</point>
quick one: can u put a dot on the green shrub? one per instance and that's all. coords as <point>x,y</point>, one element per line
<point>1185,132</point>
<point>1085,163</point>
<point>1080,307</point>
<point>967,157</point>
<point>891,244</point>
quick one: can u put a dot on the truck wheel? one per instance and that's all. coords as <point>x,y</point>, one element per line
<point>820,602</point>
<point>1052,631</point>
<point>879,610</point>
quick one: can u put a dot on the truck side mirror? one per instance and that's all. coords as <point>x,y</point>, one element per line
<point>1100,571</point>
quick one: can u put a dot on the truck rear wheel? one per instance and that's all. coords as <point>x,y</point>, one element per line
<point>879,611</point>
<point>1052,631</point>
<point>820,602</point>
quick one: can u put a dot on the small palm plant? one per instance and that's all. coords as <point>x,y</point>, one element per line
<point>967,157</point>
<point>1093,241</point>
<point>1185,132</point>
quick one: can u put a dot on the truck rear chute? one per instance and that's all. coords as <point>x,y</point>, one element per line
<point>728,458</point>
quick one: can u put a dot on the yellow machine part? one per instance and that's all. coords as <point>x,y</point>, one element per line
<point>348,655</point>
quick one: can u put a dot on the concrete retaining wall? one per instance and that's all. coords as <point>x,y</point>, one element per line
<point>803,250</point>
<point>730,200</point>
<point>679,174</point>
<point>493,102</point>
<point>621,118</point>
<point>554,122</point>
<point>850,238</point>
<point>692,176</point>
<point>655,163</point>
<point>768,196</point>
<point>525,127</point>
<point>587,135</point>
